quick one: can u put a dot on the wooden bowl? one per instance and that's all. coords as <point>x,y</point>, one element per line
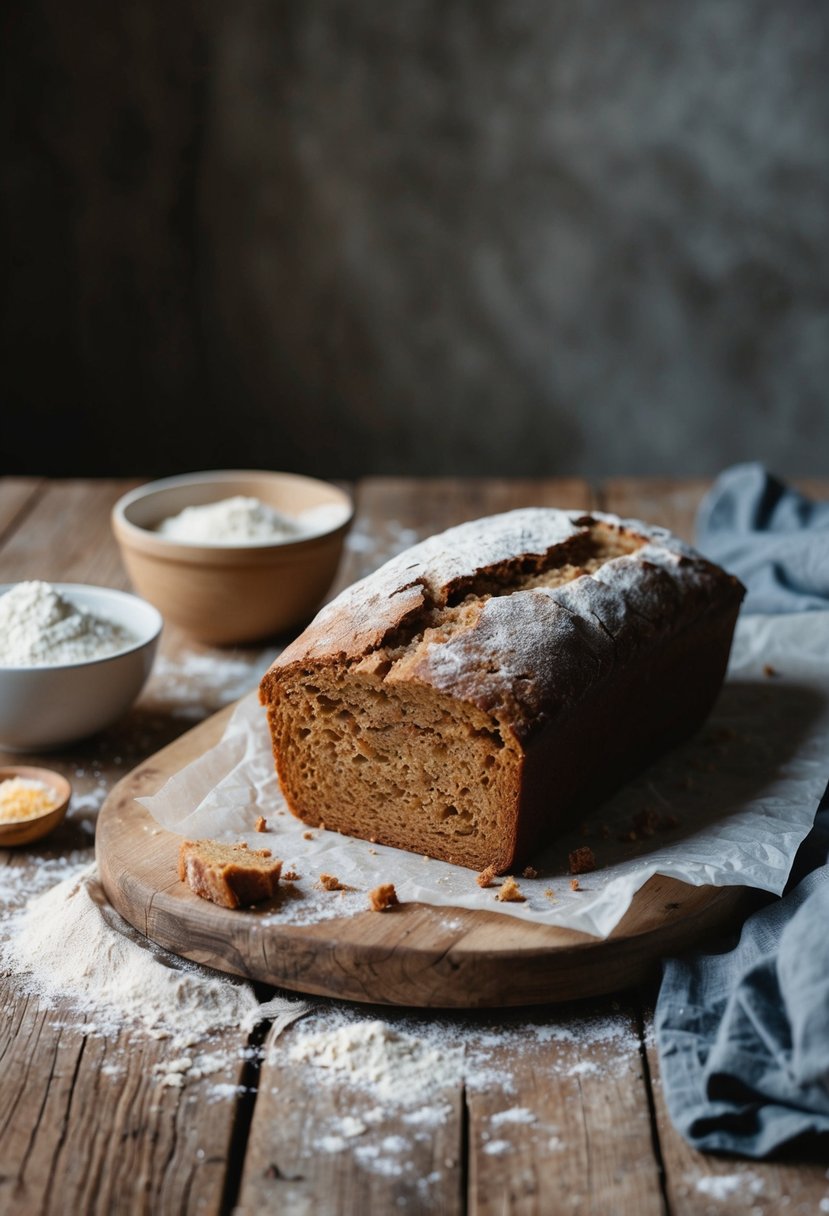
<point>226,594</point>
<point>25,831</point>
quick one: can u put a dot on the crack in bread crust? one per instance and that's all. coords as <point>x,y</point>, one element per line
<point>407,710</point>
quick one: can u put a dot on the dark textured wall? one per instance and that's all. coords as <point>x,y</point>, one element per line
<point>522,237</point>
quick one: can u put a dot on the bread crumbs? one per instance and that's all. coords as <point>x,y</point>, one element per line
<point>308,836</point>
<point>575,885</point>
<point>582,860</point>
<point>510,892</point>
<point>261,824</point>
<point>486,876</point>
<point>529,872</point>
<point>329,882</point>
<point>383,897</point>
<point>290,876</point>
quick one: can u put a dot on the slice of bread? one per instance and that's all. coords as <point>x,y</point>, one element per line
<point>231,875</point>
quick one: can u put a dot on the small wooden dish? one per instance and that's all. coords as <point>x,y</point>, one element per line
<point>25,831</point>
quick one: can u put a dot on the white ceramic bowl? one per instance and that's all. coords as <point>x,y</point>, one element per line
<point>47,707</point>
<point>231,593</point>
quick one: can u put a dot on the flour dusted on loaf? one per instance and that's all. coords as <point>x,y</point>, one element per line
<point>39,627</point>
<point>467,697</point>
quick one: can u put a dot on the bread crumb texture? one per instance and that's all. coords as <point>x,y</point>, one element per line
<point>330,882</point>
<point>510,892</point>
<point>486,877</point>
<point>383,897</point>
<point>230,875</point>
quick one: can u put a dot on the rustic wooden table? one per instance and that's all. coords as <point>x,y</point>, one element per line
<point>78,1135</point>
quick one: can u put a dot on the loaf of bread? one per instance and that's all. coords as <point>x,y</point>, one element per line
<point>480,690</point>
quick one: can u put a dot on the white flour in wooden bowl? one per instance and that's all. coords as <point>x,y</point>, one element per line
<point>243,520</point>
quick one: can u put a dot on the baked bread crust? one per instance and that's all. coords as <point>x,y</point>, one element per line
<point>582,644</point>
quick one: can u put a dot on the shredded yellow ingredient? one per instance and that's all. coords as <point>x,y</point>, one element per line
<point>22,799</point>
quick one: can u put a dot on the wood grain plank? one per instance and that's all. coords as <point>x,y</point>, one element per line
<point>87,1126</point>
<point>573,1135</point>
<point>16,495</point>
<point>67,535</point>
<point>673,502</point>
<point>669,502</point>
<point>299,1161</point>
<point>698,1184</point>
<point>395,512</point>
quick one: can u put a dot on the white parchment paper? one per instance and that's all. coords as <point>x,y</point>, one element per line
<point>730,807</point>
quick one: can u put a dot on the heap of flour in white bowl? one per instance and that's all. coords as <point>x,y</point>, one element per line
<point>40,627</point>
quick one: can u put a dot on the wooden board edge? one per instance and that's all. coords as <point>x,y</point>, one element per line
<point>386,959</point>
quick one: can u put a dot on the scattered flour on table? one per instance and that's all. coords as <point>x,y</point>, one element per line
<point>397,1066</point>
<point>381,541</point>
<point>39,627</point>
<point>21,882</point>
<point>68,945</point>
<point>195,684</point>
<point>515,1114</point>
<point>402,1069</point>
<point>724,1186</point>
<point>495,1147</point>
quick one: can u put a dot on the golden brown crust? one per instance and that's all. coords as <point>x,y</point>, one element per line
<point>230,875</point>
<point>520,642</point>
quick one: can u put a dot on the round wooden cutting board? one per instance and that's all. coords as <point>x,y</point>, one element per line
<point>412,955</point>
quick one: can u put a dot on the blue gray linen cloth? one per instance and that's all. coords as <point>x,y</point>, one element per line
<point>743,1035</point>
